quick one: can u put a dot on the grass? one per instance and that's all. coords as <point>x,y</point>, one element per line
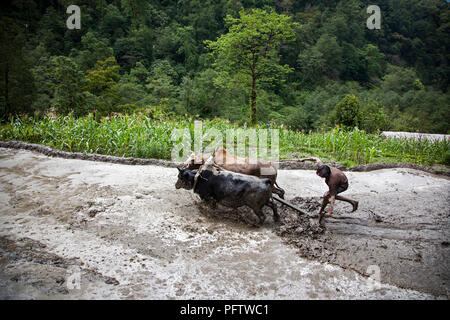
<point>141,136</point>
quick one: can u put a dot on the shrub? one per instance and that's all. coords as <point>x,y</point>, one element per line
<point>347,111</point>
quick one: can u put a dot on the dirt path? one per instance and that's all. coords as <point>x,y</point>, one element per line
<point>82,229</point>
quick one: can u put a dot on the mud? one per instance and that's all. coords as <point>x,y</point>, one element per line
<point>401,226</point>
<point>76,229</point>
<point>413,253</point>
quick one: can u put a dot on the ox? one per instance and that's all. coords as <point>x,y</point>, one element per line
<point>254,167</point>
<point>229,188</point>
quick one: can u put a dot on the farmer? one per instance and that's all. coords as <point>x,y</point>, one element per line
<point>337,182</point>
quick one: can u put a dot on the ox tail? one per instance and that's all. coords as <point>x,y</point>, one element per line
<point>279,191</point>
<point>289,205</point>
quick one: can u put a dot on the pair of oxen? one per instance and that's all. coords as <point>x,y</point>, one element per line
<point>232,181</point>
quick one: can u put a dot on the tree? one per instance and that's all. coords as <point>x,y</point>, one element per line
<point>51,31</point>
<point>103,77</point>
<point>204,16</point>
<point>354,66</point>
<point>100,82</point>
<point>94,49</point>
<point>113,23</point>
<point>131,87</point>
<point>250,50</point>
<point>139,73</point>
<point>299,119</point>
<point>373,117</point>
<point>41,65</point>
<point>66,86</point>
<point>188,47</point>
<point>347,111</point>
<point>200,95</point>
<point>400,80</point>
<point>375,61</point>
<point>161,82</point>
<point>311,65</point>
<point>16,81</point>
<point>332,54</point>
<point>136,10</point>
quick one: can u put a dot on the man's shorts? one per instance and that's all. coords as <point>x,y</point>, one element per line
<point>342,188</point>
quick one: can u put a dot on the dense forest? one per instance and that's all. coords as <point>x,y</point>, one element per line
<point>308,65</point>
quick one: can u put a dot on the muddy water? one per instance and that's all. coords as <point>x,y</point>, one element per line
<point>82,229</point>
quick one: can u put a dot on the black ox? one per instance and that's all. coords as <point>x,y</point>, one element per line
<point>229,189</point>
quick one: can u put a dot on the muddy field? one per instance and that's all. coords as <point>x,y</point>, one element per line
<point>74,229</point>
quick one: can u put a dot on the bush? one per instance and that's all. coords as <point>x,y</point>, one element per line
<point>447,158</point>
<point>373,118</point>
<point>298,119</point>
<point>347,112</point>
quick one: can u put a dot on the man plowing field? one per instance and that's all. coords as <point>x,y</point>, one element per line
<point>337,182</point>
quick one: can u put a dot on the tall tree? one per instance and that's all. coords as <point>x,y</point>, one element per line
<point>161,82</point>
<point>94,48</point>
<point>250,50</point>
<point>66,86</point>
<point>136,10</point>
<point>16,81</point>
<point>101,82</point>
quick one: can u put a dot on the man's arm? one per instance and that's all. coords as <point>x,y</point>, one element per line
<point>317,160</point>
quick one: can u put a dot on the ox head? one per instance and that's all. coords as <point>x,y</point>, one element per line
<point>185,178</point>
<point>192,162</point>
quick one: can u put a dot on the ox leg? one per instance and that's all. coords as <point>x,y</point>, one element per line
<point>278,191</point>
<point>276,216</point>
<point>212,203</point>
<point>260,214</point>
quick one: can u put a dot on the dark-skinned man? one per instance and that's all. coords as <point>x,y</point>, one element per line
<point>337,182</point>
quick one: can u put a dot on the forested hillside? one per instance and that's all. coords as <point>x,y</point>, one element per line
<point>315,63</point>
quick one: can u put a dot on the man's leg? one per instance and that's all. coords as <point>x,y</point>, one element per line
<point>354,203</point>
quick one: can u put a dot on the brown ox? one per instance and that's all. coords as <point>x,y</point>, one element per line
<point>254,167</point>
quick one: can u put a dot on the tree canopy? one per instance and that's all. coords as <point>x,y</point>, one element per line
<point>288,62</point>
<point>249,51</point>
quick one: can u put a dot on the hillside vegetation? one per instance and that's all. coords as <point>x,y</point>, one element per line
<point>297,63</point>
<point>138,69</point>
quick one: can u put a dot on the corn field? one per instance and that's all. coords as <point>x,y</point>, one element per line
<point>141,136</point>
